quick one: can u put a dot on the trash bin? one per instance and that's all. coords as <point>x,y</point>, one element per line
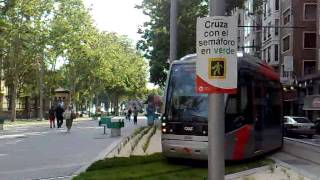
<point>1,124</point>
<point>115,125</point>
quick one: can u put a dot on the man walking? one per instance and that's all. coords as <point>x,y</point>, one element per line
<point>135,115</point>
<point>59,115</point>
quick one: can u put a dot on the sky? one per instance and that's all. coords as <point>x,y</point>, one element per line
<point>117,16</point>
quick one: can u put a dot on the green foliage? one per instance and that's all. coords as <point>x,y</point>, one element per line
<point>155,37</point>
<point>146,144</point>
<point>156,167</point>
<point>95,64</point>
<point>155,33</point>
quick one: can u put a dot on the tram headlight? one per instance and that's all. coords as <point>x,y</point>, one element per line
<point>164,130</point>
<point>164,124</point>
<point>204,132</point>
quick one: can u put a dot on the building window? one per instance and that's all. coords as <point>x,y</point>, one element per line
<point>309,40</point>
<point>265,10</point>
<point>286,17</point>
<point>269,27</point>
<point>276,29</point>
<point>264,54</point>
<point>276,52</point>
<point>286,44</point>
<point>277,5</point>
<point>247,47</point>
<point>310,11</point>
<point>269,8</point>
<point>269,54</point>
<point>264,33</point>
<point>309,67</point>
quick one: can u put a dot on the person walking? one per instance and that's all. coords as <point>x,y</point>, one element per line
<point>135,115</point>
<point>52,117</point>
<point>150,113</point>
<point>69,115</point>
<point>59,115</point>
<point>129,113</point>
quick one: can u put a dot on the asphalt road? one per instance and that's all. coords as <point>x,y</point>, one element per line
<point>43,153</point>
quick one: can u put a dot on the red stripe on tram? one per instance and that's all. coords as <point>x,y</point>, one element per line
<point>242,137</point>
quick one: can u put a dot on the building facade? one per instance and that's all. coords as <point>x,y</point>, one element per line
<point>298,53</point>
<point>271,33</point>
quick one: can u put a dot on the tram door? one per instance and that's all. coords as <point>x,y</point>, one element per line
<point>259,113</point>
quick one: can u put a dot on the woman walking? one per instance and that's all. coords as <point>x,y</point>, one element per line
<point>52,117</point>
<point>69,115</point>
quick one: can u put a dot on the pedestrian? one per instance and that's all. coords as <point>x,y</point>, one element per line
<point>129,113</point>
<point>52,117</point>
<point>150,113</point>
<point>135,115</point>
<point>59,115</point>
<point>69,115</point>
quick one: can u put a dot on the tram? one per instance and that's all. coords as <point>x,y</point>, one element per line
<point>253,116</point>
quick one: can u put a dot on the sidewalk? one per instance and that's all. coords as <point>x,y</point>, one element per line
<point>33,123</point>
<point>126,131</point>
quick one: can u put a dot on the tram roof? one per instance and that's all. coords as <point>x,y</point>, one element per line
<point>246,61</point>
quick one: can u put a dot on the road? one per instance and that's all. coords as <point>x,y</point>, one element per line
<point>314,140</point>
<point>43,153</point>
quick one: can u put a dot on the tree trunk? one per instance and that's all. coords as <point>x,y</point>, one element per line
<point>41,84</point>
<point>13,102</point>
<point>116,104</point>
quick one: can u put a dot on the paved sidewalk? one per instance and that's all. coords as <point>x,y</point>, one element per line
<point>306,168</point>
<point>44,153</point>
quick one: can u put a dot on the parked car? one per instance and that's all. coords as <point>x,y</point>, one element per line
<point>317,123</point>
<point>298,126</point>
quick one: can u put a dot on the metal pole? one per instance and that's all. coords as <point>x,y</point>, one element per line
<point>216,119</point>
<point>173,30</point>
<point>318,34</point>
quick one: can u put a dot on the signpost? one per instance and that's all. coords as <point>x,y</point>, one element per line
<point>217,55</point>
<point>216,75</point>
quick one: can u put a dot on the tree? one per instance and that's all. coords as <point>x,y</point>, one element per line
<point>154,43</point>
<point>26,26</point>
<point>155,33</point>
<point>38,33</point>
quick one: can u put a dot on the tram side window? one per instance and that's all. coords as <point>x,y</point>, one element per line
<point>239,105</point>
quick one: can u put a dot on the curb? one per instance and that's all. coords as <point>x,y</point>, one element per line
<point>101,156</point>
<point>246,173</point>
<point>300,171</point>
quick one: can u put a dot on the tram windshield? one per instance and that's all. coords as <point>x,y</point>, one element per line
<point>183,103</point>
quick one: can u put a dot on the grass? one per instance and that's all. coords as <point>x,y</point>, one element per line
<point>156,167</point>
<point>146,144</point>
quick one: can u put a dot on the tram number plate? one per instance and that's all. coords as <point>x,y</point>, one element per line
<point>188,137</point>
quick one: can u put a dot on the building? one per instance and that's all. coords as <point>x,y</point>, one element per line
<point>298,54</point>
<point>286,35</point>
<point>271,33</point>
<point>251,31</point>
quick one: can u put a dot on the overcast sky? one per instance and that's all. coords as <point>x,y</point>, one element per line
<point>117,16</point>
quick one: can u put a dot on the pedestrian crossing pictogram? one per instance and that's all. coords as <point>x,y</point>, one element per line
<point>217,68</point>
